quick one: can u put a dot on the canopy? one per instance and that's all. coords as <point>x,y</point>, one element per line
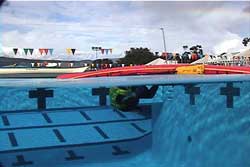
<point>245,53</point>
<point>157,62</point>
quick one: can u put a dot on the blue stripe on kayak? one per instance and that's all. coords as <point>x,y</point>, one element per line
<point>73,124</point>
<point>74,145</point>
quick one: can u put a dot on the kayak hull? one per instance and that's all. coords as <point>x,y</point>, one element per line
<point>155,69</point>
<point>125,71</point>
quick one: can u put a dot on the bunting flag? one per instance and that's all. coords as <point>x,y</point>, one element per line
<point>107,51</point>
<point>51,51</point>
<point>68,50</point>
<point>73,51</point>
<point>41,51</point>
<point>46,51</point>
<point>26,51</point>
<point>110,51</point>
<point>31,51</point>
<point>102,50</point>
<point>15,50</point>
<point>96,48</point>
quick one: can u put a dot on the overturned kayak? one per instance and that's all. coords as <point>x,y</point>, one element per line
<point>37,72</point>
<point>160,69</point>
<point>125,71</point>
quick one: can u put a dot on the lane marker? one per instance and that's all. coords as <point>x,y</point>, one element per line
<point>138,128</point>
<point>47,118</point>
<point>73,156</point>
<point>12,139</point>
<point>59,135</point>
<point>85,115</point>
<point>5,120</point>
<point>101,132</point>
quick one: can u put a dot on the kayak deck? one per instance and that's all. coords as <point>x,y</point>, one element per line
<point>79,134</point>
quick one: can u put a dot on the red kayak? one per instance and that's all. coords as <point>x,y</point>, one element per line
<point>213,69</point>
<point>159,69</point>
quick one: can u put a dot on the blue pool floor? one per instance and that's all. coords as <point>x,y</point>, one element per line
<point>100,134</point>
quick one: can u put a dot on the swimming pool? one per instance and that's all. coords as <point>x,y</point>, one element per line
<point>192,121</point>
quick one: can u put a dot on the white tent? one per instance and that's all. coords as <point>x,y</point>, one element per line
<point>203,60</point>
<point>245,53</point>
<point>157,62</point>
<point>215,59</point>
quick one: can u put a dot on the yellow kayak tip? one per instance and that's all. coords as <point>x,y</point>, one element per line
<point>196,69</point>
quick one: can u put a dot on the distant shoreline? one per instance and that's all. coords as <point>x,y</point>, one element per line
<point>5,61</point>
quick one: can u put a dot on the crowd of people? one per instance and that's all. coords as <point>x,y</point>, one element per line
<point>194,53</point>
<point>186,57</point>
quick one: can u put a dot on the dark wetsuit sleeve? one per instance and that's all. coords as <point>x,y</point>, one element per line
<point>144,92</point>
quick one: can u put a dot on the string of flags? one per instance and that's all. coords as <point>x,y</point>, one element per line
<point>31,51</point>
<point>46,51</point>
<point>70,51</point>
<point>41,51</point>
<point>106,51</point>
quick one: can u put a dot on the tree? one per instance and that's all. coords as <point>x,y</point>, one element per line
<point>103,61</point>
<point>245,41</point>
<point>137,56</point>
<point>1,2</point>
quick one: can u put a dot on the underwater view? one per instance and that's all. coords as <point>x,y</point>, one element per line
<point>194,124</point>
<point>124,83</point>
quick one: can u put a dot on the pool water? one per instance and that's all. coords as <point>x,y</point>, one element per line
<point>189,122</point>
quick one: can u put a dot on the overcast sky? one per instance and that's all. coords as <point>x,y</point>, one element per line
<point>217,26</point>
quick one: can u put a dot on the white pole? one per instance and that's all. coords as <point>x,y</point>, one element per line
<point>164,41</point>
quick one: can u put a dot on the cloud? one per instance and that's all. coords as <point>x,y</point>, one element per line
<point>121,25</point>
<point>229,45</point>
<point>247,9</point>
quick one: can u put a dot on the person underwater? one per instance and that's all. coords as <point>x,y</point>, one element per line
<point>127,98</point>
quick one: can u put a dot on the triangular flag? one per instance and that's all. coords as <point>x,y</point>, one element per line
<point>41,51</point>
<point>46,51</point>
<point>51,51</point>
<point>110,51</point>
<point>15,50</point>
<point>107,51</point>
<point>73,51</point>
<point>26,51</point>
<point>31,51</point>
<point>68,50</point>
<point>102,50</point>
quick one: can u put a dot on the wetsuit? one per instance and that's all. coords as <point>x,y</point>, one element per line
<point>127,98</point>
